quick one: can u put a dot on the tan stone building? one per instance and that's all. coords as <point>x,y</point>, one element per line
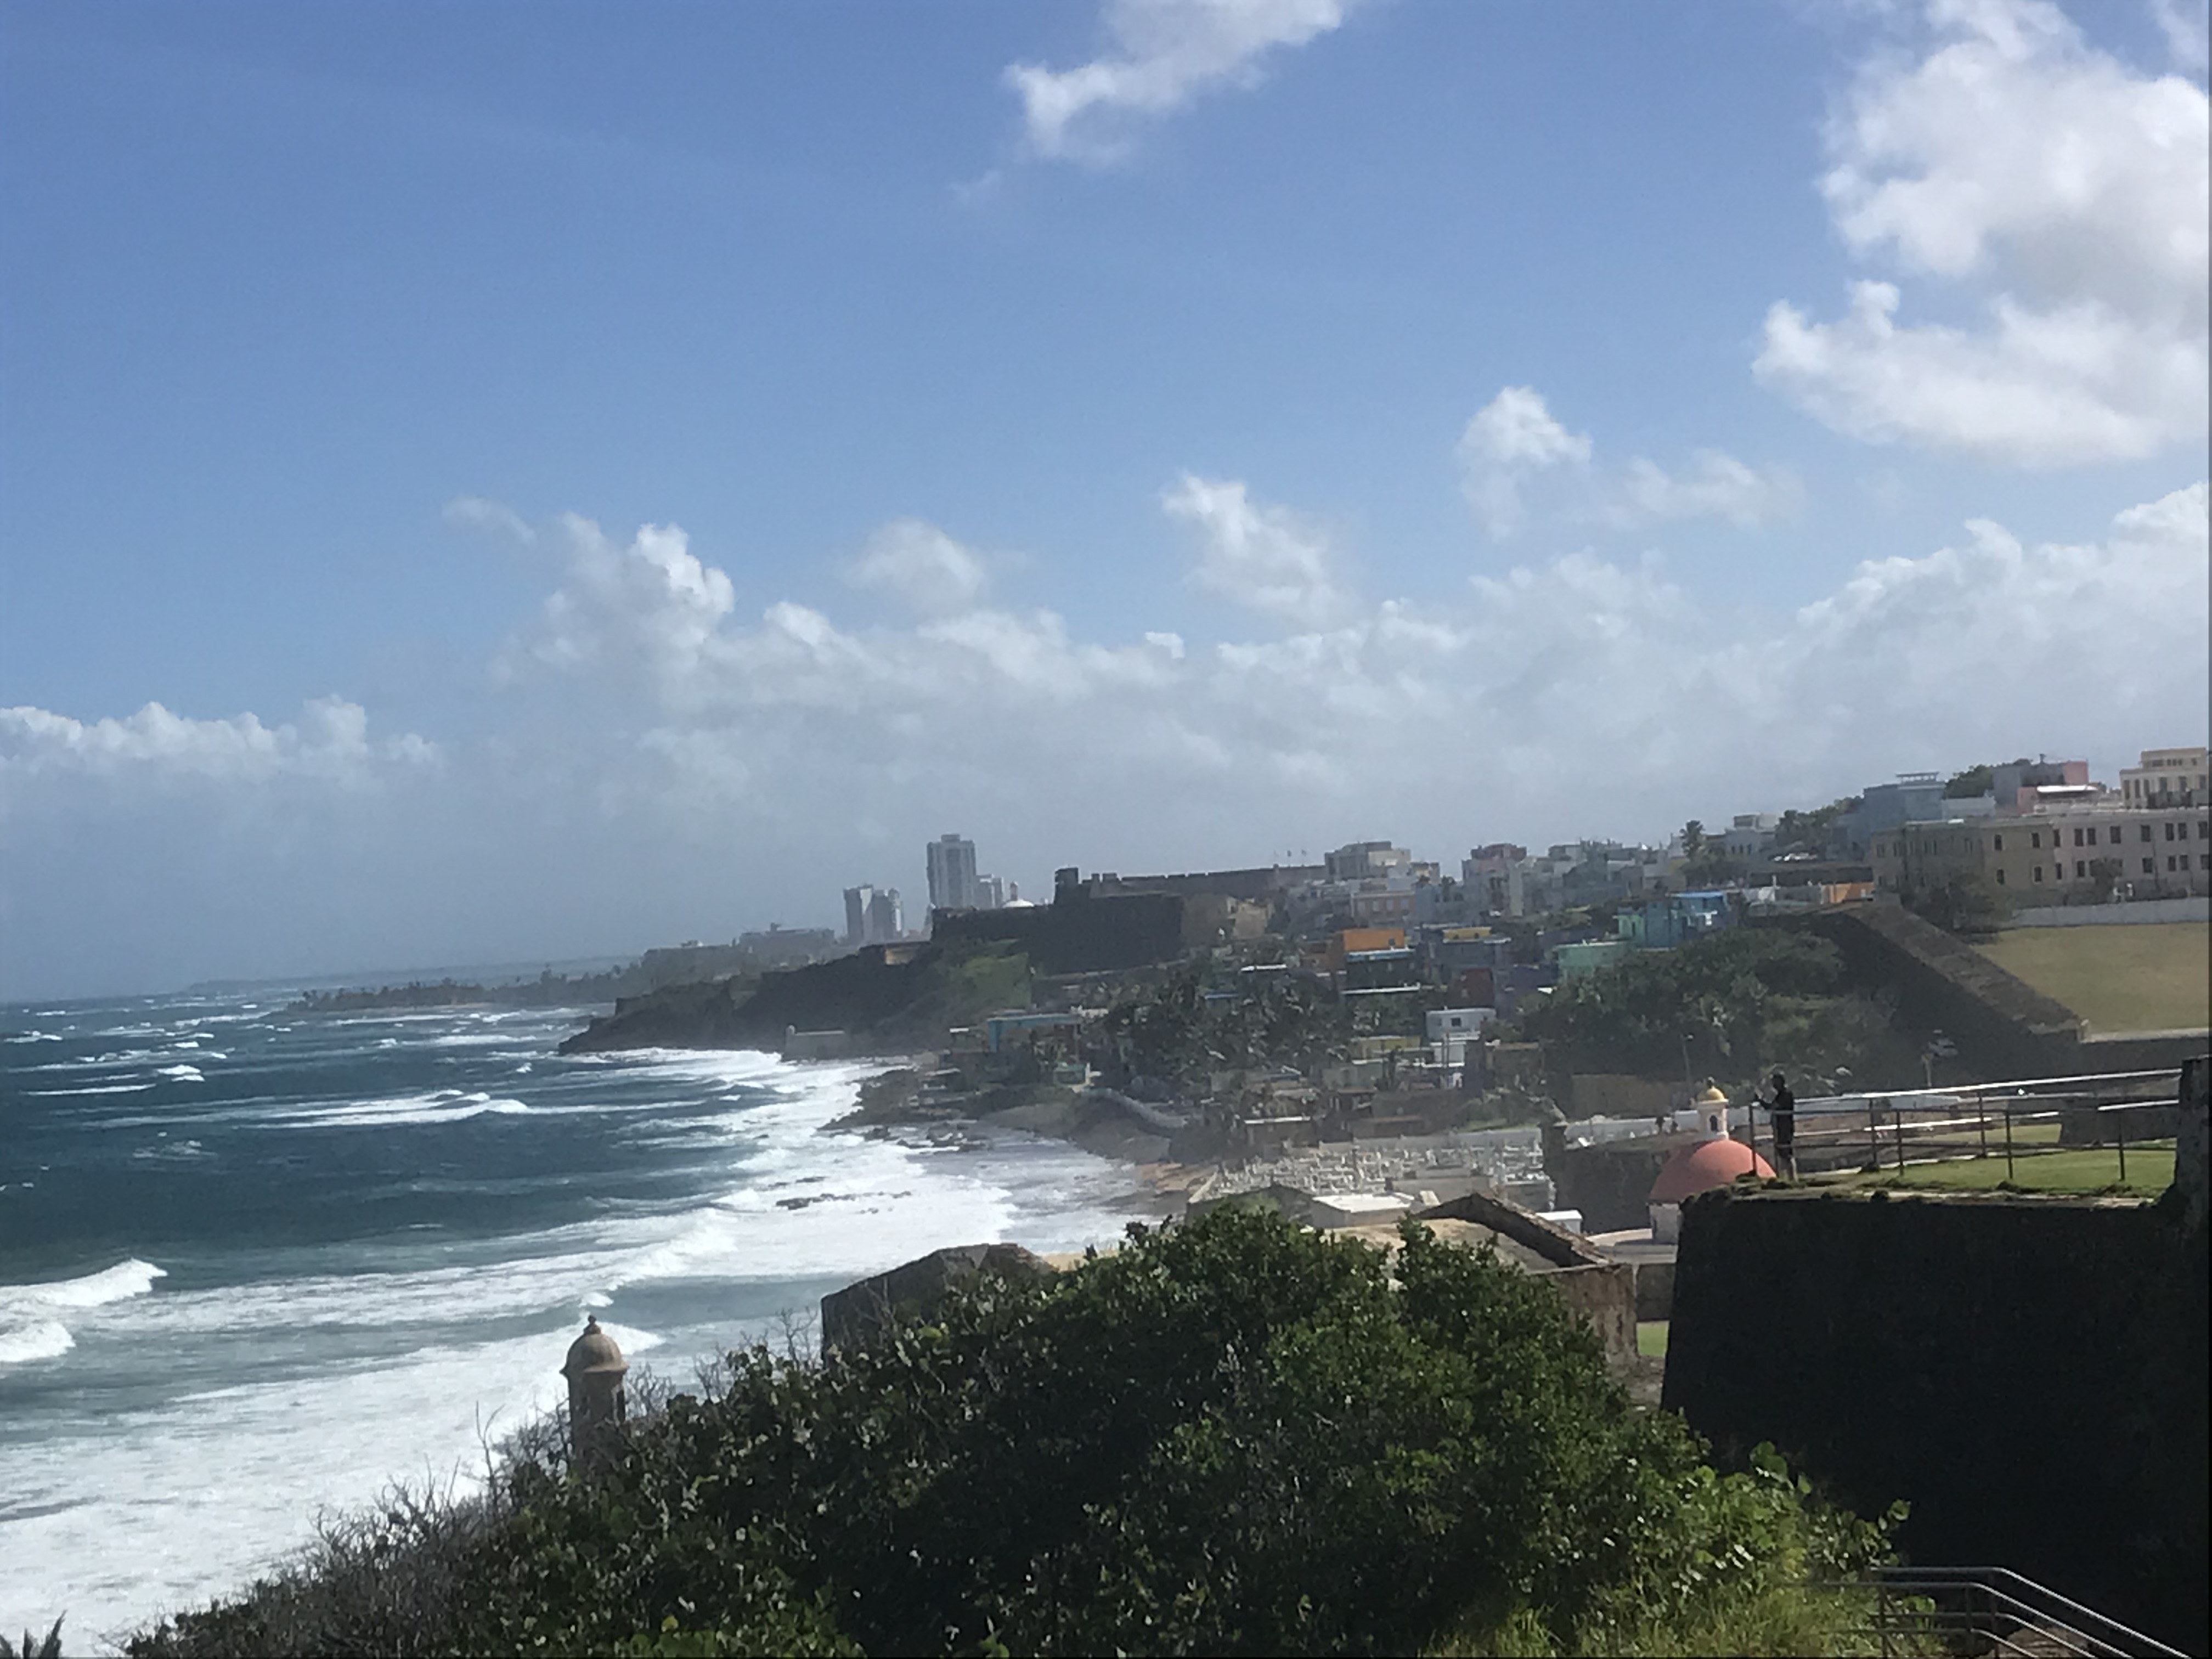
<point>2056,855</point>
<point>2168,777</point>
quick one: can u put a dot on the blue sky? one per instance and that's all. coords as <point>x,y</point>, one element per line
<point>1152,433</point>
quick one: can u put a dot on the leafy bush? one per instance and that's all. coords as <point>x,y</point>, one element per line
<point>35,1647</point>
<point>1231,1437</point>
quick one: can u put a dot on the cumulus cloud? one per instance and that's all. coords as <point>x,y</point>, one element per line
<point>1510,438</point>
<point>922,565</point>
<point>1264,558</point>
<point>1513,440</point>
<point>1160,55</point>
<point>330,740</point>
<point>651,603</point>
<point>2063,194</point>
<point>1539,679</point>
<point>660,765</point>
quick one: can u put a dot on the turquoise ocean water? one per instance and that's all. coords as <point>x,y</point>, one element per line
<point>253,1263</point>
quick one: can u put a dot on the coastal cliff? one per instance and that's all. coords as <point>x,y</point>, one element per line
<point>887,1000</point>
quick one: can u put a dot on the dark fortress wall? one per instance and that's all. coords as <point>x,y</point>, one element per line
<point>1076,933</point>
<point>2029,1374</point>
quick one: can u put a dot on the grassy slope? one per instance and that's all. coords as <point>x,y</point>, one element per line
<point>2077,1170</point>
<point>2152,977</point>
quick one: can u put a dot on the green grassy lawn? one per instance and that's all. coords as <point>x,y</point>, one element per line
<point>2154,977</point>
<point>1651,1339</point>
<point>2076,1170</point>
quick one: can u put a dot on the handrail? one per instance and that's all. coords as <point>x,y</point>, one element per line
<point>2003,1085</point>
<point>1994,1605</point>
<point>2098,1632</point>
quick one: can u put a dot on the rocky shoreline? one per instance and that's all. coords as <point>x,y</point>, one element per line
<point>898,1100</point>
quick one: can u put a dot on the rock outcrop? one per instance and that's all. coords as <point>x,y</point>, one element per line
<point>850,1315</point>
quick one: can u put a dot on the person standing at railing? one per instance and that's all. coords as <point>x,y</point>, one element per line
<point>1782,1110</point>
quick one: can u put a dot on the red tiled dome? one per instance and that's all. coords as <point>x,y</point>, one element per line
<point>1708,1165</point>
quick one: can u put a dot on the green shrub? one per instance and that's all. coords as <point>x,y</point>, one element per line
<point>1232,1437</point>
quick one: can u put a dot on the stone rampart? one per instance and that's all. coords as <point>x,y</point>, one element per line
<point>2030,1373</point>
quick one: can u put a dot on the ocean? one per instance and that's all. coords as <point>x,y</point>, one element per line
<point>255,1264</point>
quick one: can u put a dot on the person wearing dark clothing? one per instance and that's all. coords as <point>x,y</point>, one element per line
<point>1782,1107</point>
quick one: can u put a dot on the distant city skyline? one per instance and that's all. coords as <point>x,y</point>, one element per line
<point>448,513</point>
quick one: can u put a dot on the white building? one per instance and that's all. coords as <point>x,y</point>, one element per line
<point>952,884</point>
<point>873,915</point>
<point>1750,835</point>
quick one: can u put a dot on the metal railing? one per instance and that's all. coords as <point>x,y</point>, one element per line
<point>1897,1128</point>
<point>1991,1610</point>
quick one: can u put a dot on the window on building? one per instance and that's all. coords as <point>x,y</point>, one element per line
<point>2116,835</point>
<point>2146,832</point>
<point>2169,831</point>
<point>2001,880</point>
<point>2151,867</point>
<point>2039,872</point>
<point>2205,828</point>
<point>2204,861</point>
<point>2169,861</point>
<point>1997,842</point>
<point>2035,838</point>
<point>2080,869</point>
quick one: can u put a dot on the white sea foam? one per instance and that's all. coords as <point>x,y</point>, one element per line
<point>43,1339</point>
<point>447,1106</point>
<point>95,1089</point>
<point>30,1328</point>
<point>117,1283</point>
<point>183,1073</point>
<point>122,1519</point>
<point>126,1511</point>
<point>36,1036</point>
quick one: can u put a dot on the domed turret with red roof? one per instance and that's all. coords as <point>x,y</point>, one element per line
<point>1710,1163</point>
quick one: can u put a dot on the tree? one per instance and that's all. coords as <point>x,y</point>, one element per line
<point>1968,903</point>
<point>1747,998</point>
<point>1974,780</point>
<point>1693,840</point>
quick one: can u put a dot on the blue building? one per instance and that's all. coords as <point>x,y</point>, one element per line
<point>1676,920</point>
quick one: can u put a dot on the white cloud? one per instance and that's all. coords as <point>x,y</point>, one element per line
<point>2064,194</point>
<point>330,740</point>
<point>1160,55</point>
<point>1510,437</point>
<point>922,565</point>
<point>1541,680</point>
<point>481,513</point>
<point>1263,558</point>
<point>651,603</point>
<point>1513,440</point>
<point>2184,25</point>
<point>660,766</point>
<point>1717,486</point>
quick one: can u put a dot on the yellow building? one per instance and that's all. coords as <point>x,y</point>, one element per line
<point>2056,854</point>
<point>2167,777</point>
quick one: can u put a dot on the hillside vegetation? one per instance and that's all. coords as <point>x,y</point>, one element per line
<point>1733,1006</point>
<point>1233,1437</point>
